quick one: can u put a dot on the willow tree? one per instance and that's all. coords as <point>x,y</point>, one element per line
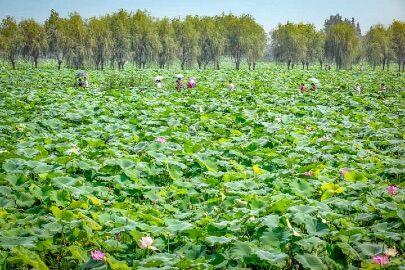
<point>144,38</point>
<point>342,44</point>
<point>287,44</point>
<point>168,46</point>
<point>256,43</point>
<point>307,33</point>
<point>100,41</point>
<point>10,40</point>
<point>120,38</point>
<point>77,44</point>
<point>203,26</point>
<point>218,42</point>
<point>316,48</point>
<point>236,37</point>
<point>33,40</point>
<point>187,37</point>
<point>397,29</point>
<point>209,40</point>
<point>54,26</point>
<point>378,48</point>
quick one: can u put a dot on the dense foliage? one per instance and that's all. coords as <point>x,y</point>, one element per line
<point>138,38</point>
<point>264,177</point>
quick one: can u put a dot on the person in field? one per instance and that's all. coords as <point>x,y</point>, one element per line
<point>357,89</point>
<point>383,89</point>
<point>179,85</point>
<point>158,81</point>
<point>85,82</point>
<point>179,82</point>
<point>313,87</point>
<point>82,79</point>
<point>303,88</point>
<point>158,84</point>
<point>231,86</point>
<point>82,82</point>
<point>191,83</point>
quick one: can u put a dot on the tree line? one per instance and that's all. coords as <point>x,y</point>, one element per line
<point>339,42</point>
<point>121,37</point>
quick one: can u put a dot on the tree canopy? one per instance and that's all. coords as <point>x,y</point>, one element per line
<point>121,37</point>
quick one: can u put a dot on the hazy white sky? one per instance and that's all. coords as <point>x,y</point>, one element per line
<point>267,12</point>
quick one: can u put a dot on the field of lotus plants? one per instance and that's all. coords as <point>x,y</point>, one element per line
<point>122,175</point>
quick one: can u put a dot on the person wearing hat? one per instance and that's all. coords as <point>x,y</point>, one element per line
<point>158,81</point>
<point>82,79</point>
<point>179,82</point>
<point>158,84</point>
<point>179,86</point>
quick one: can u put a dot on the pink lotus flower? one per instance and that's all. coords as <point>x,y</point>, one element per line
<point>309,173</point>
<point>343,171</point>
<point>380,259</point>
<point>146,242</point>
<point>392,190</point>
<point>160,140</point>
<point>97,255</point>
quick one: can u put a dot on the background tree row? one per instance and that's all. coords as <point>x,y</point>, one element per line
<point>339,42</point>
<point>121,37</point>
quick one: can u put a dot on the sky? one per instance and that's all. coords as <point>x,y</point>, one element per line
<point>268,13</point>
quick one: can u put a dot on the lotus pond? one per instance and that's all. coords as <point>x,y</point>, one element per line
<point>125,176</point>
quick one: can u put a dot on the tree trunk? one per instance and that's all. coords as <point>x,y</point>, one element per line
<point>237,63</point>
<point>320,62</point>
<point>399,66</point>
<point>12,63</point>
<point>288,64</point>
<point>59,64</point>
<point>254,65</point>
<point>303,65</point>
<point>35,62</point>
<point>388,65</point>
<point>249,64</point>
<point>307,64</point>
<point>403,66</point>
